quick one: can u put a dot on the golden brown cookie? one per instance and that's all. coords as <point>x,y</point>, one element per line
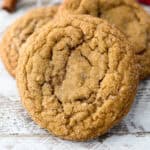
<point>17,34</point>
<point>77,77</point>
<point>128,16</point>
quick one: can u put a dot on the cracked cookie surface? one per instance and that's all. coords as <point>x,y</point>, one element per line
<point>128,16</point>
<point>77,77</point>
<point>17,34</point>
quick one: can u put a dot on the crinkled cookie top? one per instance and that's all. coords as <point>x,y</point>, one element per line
<point>128,16</point>
<point>77,77</point>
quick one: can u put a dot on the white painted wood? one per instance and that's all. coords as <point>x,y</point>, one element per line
<point>116,142</point>
<point>19,132</point>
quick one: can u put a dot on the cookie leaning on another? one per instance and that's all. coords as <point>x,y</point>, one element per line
<point>77,76</point>
<point>17,34</point>
<point>128,16</point>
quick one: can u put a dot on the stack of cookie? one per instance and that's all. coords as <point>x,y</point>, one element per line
<point>78,64</point>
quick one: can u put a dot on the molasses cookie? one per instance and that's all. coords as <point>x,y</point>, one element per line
<point>17,34</point>
<point>77,76</point>
<point>128,16</point>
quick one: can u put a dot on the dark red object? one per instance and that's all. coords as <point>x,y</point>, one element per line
<point>147,2</point>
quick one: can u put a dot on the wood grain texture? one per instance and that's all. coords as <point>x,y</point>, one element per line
<point>18,131</point>
<point>116,142</point>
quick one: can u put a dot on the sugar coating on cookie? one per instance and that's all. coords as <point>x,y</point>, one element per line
<point>18,33</point>
<point>128,16</point>
<point>77,77</point>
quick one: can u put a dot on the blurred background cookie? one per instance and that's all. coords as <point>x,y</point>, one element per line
<point>17,34</point>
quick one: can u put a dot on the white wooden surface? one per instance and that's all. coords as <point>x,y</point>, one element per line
<point>19,132</point>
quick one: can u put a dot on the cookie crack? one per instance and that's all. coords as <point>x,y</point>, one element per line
<point>86,58</point>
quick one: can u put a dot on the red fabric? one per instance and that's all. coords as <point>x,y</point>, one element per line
<point>145,1</point>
